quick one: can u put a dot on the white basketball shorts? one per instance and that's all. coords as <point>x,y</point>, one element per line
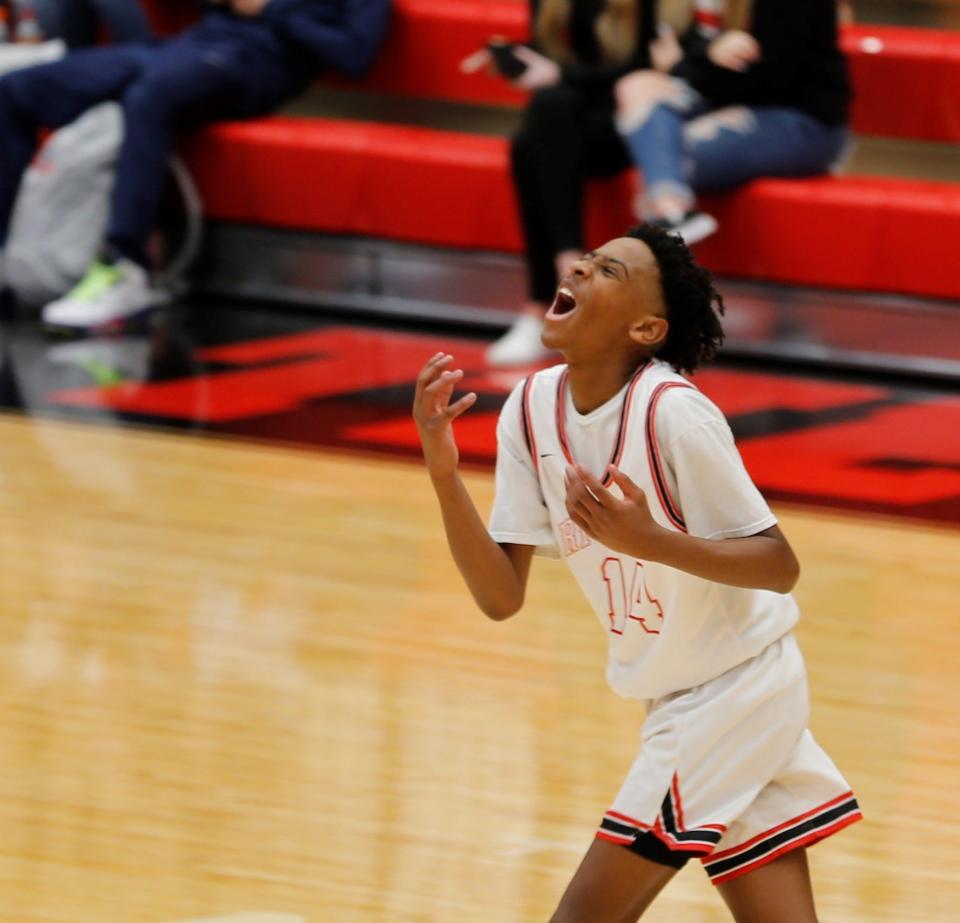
<point>728,772</point>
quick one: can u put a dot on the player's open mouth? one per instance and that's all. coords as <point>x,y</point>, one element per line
<point>565,303</point>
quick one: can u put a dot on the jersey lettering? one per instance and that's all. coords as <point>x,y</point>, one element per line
<point>572,538</point>
<point>637,605</point>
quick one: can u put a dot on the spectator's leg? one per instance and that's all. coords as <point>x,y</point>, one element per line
<point>521,343</point>
<point>52,95</point>
<point>78,22</point>
<point>546,158</point>
<point>730,146</point>
<point>50,18</point>
<point>554,123</point>
<point>602,153</point>
<point>653,112</point>
<point>539,246</point>
<point>73,21</point>
<point>605,153</point>
<point>180,88</point>
<point>657,148</point>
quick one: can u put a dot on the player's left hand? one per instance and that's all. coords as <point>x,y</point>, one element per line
<point>621,524</point>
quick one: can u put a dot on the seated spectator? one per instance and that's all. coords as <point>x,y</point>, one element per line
<point>22,42</point>
<point>753,88</point>
<point>244,58</point>
<point>83,22</point>
<point>40,31</point>
<point>579,51</point>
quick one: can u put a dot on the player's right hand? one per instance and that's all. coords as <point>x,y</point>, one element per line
<point>433,413</point>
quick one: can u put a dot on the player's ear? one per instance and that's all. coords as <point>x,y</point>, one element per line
<point>649,331</point>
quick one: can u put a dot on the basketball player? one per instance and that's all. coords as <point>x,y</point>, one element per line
<point>618,464</point>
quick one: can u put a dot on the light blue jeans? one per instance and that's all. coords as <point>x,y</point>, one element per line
<point>687,147</point>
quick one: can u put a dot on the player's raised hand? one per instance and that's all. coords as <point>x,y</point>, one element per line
<point>434,413</point>
<point>621,524</point>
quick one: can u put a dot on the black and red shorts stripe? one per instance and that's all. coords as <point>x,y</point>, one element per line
<point>667,842</point>
<point>804,830</point>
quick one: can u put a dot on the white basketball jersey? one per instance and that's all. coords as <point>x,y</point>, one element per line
<point>668,630</point>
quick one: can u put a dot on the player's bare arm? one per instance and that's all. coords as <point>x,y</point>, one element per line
<point>764,561</point>
<point>496,575</point>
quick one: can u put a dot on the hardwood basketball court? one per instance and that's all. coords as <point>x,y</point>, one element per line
<point>242,678</point>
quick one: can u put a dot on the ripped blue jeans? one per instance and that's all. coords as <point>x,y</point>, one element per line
<point>685,146</point>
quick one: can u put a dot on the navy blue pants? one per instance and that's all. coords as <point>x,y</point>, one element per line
<point>163,87</point>
<point>78,22</point>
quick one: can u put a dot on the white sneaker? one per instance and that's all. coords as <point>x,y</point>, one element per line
<point>14,56</point>
<point>691,227</point>
<point>107,294</point>
<point>107,360</point>
<point>520,345</point>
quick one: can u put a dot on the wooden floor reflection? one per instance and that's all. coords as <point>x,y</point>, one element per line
<point>238,678</point>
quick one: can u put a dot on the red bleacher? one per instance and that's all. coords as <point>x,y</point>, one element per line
<point>433,187</point>
<point>439,187</point>
<point>907,80</point>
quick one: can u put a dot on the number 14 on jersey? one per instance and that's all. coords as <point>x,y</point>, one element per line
<point>629,601</point>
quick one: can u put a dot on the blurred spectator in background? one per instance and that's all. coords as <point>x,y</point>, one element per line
<point>580,48</point>
<point>244,58</point>
<point>40,31</point>
<point>22,41</point>
<point>752,88</point>
<point>85,22</point>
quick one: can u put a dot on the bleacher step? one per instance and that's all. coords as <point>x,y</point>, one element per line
<point>915,339</point>
<point>425,186</point>
<point>869,155</point>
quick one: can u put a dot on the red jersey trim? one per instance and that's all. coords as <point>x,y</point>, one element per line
<point>527,422</point>
<point>620,444</point>
<point>667,503</point>
<point>559,415</point>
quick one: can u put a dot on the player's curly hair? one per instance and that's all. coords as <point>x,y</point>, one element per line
<point>695,333</point>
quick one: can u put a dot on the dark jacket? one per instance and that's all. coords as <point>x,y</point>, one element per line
<point>587,70</point>
<point>801,65</point>
<point>292,40</point>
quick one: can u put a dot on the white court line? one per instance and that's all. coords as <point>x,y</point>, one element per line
<point>528,846</point>
<point>247,918</point>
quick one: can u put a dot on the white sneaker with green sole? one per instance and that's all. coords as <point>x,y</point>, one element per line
<point>108,294</point>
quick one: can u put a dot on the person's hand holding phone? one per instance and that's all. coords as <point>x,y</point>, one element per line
<point>540,71</point>
<point>482,58</point>
<point>504,59</point>
<point>523,67</point>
